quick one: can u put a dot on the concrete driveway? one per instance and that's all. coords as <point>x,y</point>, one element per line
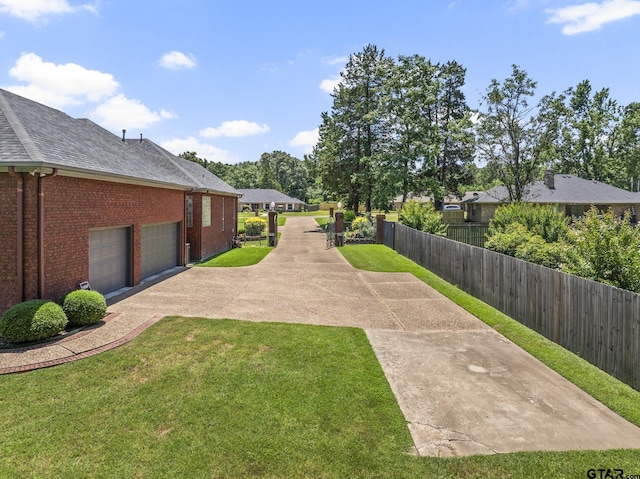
<point>463,388</point>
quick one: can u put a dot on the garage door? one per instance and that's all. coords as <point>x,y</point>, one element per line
<point>108,259</point>
<point>159,248</point>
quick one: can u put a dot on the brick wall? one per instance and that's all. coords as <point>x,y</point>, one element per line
<point>8,242</point>
<point>209,240</point>
<point>73,206</point>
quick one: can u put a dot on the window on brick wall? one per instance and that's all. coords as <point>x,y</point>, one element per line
<point>206,211</point>
<point>223,213</point>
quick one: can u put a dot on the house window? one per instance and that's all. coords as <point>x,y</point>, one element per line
<point>189,211</point>
<point>289,206</point>
<point>266,206</point>
<point>206,211</point>
<point>223,213</point>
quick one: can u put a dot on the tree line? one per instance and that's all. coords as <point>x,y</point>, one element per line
<point>403,125</point>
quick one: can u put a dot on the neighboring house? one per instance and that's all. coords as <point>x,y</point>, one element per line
<point>259,199</point>
<point>81,204</point>
<point>567,193</point>
<point>397,202</point>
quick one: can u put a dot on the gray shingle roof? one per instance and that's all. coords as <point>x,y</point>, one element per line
<point>266,196</point>
<point>34,135</point>
<point>568,189</point>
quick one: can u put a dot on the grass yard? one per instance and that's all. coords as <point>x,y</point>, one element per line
<point>195,397</point>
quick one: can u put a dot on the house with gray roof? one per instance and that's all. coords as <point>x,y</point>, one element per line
<point>261,199</point>
<point>80,204</point>
<point>567,193</point>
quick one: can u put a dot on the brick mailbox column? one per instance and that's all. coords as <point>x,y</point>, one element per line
<point>273,228</point>
<point>331,211</point>
<point>339,228</point>
<point>379,228</point>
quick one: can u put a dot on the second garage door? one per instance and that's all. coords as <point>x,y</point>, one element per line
<point>159,248</point>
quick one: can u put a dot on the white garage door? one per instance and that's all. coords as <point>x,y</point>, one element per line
<point>108,259</point>
<point>159,248</point>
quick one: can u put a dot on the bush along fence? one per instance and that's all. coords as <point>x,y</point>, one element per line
<point>598,322</point>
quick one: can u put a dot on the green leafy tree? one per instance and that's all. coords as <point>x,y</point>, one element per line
<point>423,217</point>
<point>350,136</point>
<point>509,132</point>
<point>542,220</point>
<point>628,146</point>
<point>283,172</point>
<point>193,156</point>
<point>586,142</point>
<point>604,248</point>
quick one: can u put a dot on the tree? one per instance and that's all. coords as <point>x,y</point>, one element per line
<point>509,132</point>
<point>283,172</point>
<point>350,136</point>
<point>409,95</point>
<point>628,146</point>
<point>193,156</point>
<point>452,117</point>
<point>605,248</point>
<point>586,140</point>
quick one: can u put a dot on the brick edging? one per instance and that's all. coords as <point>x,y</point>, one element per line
<point>85,354</point>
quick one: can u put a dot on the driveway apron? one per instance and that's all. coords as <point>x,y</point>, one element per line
<point>463,388</point>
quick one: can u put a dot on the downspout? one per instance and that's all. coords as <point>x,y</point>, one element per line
<point>19,232</point>
<point>41,282</point>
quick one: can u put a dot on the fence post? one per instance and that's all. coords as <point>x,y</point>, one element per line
<point>380,228</point>
<point>339,228</point>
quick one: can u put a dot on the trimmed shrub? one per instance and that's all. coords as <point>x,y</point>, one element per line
<point>349,216</point>
<point>254,226</point>
<point>84,307</point>
<point>32,320</point>
<point>362,227</point>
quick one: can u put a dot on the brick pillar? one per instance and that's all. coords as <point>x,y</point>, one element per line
<point>331,211</point>
<point>273,228</point>
<point>379,228</point>
<point>339,228</point>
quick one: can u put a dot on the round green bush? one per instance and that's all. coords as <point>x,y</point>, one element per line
<point>84,307</point>
<point>32,320</point>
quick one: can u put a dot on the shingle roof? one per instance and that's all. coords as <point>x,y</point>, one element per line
<point>266,196</point>
<point>34,135</point>
<point>568,189</point>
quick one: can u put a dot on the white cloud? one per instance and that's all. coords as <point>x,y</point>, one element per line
<point>203,150</point>
<point>306,139</point>
<point>335,60</point>
<point>60,85</point>
<point>235,128</point>
<point>591,16</point>
<point>329,84</point>
<point>177,60</point>
<point>34,10</point>
<point>121,112</point>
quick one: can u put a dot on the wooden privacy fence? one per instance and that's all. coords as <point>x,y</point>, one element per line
<point>598,322</point>
<point>473,234</point>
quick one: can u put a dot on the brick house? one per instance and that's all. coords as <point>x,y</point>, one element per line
<point>567,193</point>
<point>81,204</point>
<point>261,199</point>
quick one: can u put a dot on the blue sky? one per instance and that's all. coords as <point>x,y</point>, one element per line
<point>233,79</point>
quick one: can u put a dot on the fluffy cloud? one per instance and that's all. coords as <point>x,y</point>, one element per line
<point>60,85</point>
<point>235,128</point>
<point>177,60</point>
<point>329,84</point>
<point>34,10</point>
<point>591,16</point>
<point>335,60</point>
<point>306,139</point>
<point>204,150</point>
<point>121,112</point>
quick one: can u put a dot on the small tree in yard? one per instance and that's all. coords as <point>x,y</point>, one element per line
<point>423,217</point>
<point>605,248</point>
<point>254,226</point>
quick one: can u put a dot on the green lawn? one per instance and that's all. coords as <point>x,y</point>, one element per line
<point>251,252</point>
<point>194,397</point>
